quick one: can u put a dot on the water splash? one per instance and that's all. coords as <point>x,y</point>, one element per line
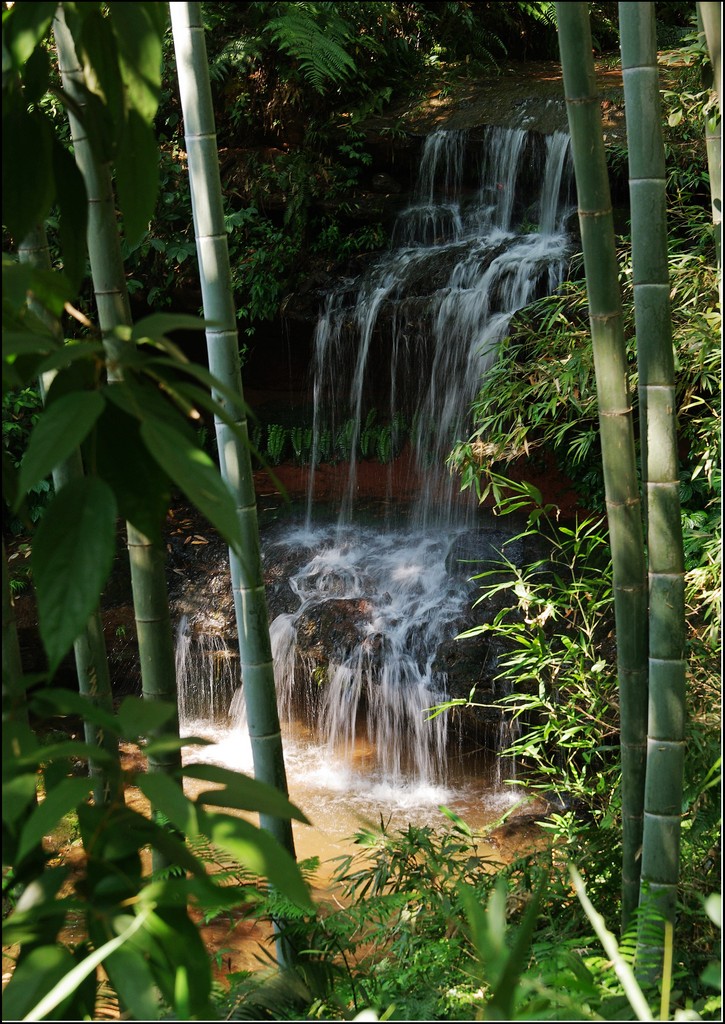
<point>357,660</point>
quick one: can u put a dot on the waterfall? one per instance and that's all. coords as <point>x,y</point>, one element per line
<point>427,319</point>
<point>372,603</point>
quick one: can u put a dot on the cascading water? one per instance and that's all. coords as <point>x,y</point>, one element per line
<point>358,653</point>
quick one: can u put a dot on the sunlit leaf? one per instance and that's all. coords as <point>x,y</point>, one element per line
<point>167,796</point>
<point>58,802</point>
<point>139,717</point>
<point>75,541</point>
<point>59,431</point>
<point>197,476</point>
<point>137,176</point>
<point>242,792</point>
<point>259,851</point>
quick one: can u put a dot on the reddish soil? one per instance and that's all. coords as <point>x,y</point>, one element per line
<point>400,481</point>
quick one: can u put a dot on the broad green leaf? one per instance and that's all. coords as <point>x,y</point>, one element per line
<point>139,36</point>
<point>167,796</point>
<point>37,973</point>
<point>134,983</point>
<point>242,792</point>
<point>67,985</point>
<point>64,750</point>
<point>72,554</point>
<point>56,701</point>
<point>197,476</point>
<point>48,287</point>
<point>24,25</point>
<point>137,176</point>
<point>208,379</point>
<point>142,489</point>
<point>26,342</point>
<point>71,196</point>
<point>58,802</point>
<point>259,851</point>
<point>59,431</point>
<point>36,75</point>
<point>157,325</point>
<point>165,744</point>
<point>74,376</point>
<point>71,354</point>
<point>18,793</point>
<point>28,186</point>
<point>138,717</point>
<point>100,62</point>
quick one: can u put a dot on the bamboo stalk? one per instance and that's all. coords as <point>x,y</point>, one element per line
<point>250,601</point>
<point>709,24</point>
<point>89,648</point>
<point>616,426</point>
<point>655,359</point>
<point>148,579</point>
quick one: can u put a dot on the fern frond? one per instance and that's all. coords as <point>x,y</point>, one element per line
<point>318,46</point>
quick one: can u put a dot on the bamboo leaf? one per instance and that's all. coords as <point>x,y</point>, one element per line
<point>139,717</point>
<point>159,324</point>
<point>197,476</point>
<point>74,541</point>
<point>59,431</point>
<point>137,176</point>
<point>167,796</point>
<point>58,802</point>
<point>142,489</point>
<point>133,981</point>
<point>42,969</point>
<point>68,984</point>
<point>24,25</point>
<point>72,200</point>
<point>258,850</point>
<point>139,30</point>
<point>242,792</point>
<point>56,701</point>
<point>100,62</point>
<point>28,187</point>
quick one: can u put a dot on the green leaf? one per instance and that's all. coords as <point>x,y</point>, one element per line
<point>233,397</point>
<point>36,75</point>
<point>24,25</point>
<point>157,325</point>
<point>59,801</point>
<point>139,717</point>
<point>49,287</point>
<point>242,792</point>
<point>75,541</point>
<point>68,984</point>
<point>72,353</point>
<point>197,476</point>
<point>18,793</point>
<point>73,202</point>
<point>142,489</point>
<point>28,186</point>
<point>55,701</point>
<point>134,983</point>
<point>139,33</point>
<point>137,176</point>
<point>100,62</point>
<point>37,973</point>
<point>167,796</point>
<point>259,851</point>
<point>66,749</point>
<point>59,431</point>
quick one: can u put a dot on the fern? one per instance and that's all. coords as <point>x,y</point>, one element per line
<point>317,40</point>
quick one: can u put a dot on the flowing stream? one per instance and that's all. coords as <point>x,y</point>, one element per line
<point>371,603</point>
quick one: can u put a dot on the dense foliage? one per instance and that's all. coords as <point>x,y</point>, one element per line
<point>425,924</point>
